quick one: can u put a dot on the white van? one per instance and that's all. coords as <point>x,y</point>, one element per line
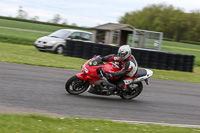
<point>56,41</point>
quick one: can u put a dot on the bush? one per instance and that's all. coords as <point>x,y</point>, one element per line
<point>168,39</point>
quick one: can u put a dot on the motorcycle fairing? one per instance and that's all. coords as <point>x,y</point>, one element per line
<point>143,74</point>
<point>85,77</point>
<point>101,87</point>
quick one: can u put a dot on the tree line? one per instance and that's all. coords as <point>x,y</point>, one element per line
<point>22,14</point>
<point>173,22</point>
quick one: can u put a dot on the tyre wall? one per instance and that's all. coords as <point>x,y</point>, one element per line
<point>145,57</point>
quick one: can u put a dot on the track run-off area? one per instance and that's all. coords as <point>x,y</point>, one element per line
<point>41,90</point>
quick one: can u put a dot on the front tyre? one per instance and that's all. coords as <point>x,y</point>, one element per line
<point>133,91</point>
<point>59,50</point>
<point>76,86</point>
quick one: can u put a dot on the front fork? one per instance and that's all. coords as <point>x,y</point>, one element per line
<point>81,76</point>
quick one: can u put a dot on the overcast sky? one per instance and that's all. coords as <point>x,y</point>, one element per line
<point>86,12</point>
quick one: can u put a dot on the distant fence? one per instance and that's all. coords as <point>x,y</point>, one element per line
<point>145,57</point>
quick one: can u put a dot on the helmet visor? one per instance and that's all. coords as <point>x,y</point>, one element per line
<point>122,54</point>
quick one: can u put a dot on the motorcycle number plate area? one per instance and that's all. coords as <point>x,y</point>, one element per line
<point>147,82</point>
<point>128,81</point>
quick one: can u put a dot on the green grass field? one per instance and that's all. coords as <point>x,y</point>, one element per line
<point>23,54</point>
<point>43,124</point>
<point>28,38</point>
<point>26,53</point>
<point>183,48</point>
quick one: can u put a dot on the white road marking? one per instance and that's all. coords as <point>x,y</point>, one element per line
<point>157,123</point>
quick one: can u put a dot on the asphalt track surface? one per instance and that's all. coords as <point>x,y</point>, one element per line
<point>42,88</point>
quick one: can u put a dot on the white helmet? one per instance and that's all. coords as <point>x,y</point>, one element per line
<point>124,52</point>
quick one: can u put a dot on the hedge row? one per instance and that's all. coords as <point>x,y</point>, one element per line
<point>182,41</point>
<point>46,23</point>
<point>168,39</point>
<point>191,42</point>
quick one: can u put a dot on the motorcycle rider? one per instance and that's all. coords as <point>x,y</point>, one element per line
<point>128,66</point>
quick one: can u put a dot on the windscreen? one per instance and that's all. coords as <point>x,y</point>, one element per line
<point>96,62</point>
<point>60,34</point>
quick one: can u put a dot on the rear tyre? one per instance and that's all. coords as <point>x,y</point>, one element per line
<point>133,91</point>
<point>59,49</point>
<point>76,86</point>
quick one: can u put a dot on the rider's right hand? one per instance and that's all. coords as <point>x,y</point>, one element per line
<point>106,75</point>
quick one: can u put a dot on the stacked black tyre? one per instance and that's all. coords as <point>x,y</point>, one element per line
<point>78,49</point>
<point>145,57</point>
<point>153,60</point>
<point>170,61</point>
<point>114,49</point>
<point>97,48</point>
<point>179,58</point>
<point>87,50</point>
<point>188,63</point>
<point>161,60</point>
<point>137,54</point>
<point>69,48</point>
<point>106,50</point>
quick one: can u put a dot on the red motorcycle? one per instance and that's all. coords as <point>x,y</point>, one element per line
<point>93,79</point>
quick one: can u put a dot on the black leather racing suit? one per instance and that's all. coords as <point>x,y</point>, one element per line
<point>128,69</point>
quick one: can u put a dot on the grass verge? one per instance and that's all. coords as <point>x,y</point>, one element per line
<point>43,124</point>
<point>19,36</point>
<point>29,55</point>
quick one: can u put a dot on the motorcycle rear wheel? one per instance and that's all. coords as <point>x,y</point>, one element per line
<point>135,91</point>
<point>76,86</point>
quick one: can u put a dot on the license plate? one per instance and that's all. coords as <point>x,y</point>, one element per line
<point>39,45</point>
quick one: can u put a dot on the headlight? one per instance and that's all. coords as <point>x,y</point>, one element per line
<point>84,69</point>
<point>36,41</point>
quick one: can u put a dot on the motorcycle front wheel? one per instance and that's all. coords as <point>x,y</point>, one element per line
<point>76,86</point>
<point>134,90</point>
